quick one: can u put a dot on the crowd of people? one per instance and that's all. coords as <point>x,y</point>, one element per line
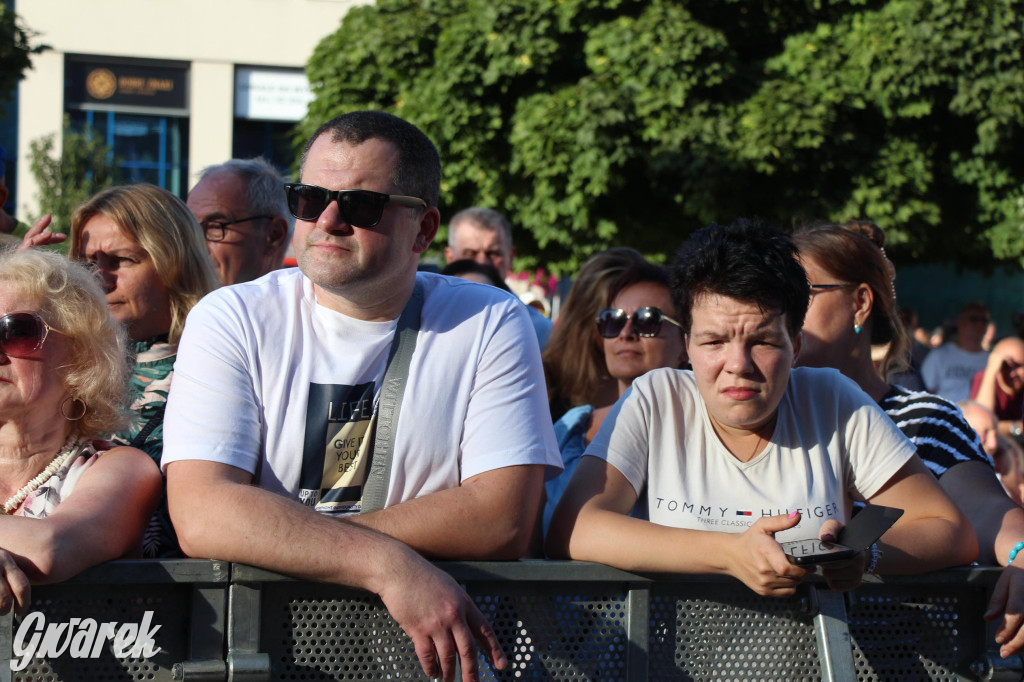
<point>350,419</point>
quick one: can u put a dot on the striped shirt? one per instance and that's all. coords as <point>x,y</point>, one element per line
<point>936,427</point>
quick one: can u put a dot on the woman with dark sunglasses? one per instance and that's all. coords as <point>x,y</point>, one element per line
<point>67,500</point>
<point>150,256</point>
<point>637,333</point>
<point>710,470</point>
<point>841,325</point>
<point>574,366</point>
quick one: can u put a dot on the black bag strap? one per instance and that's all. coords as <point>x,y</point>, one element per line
<point>141,436</point>
<point>378,478</point>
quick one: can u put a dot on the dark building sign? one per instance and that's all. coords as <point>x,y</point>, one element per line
<point>126,85</point>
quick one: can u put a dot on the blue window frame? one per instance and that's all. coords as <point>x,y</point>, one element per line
<point>147,148</point>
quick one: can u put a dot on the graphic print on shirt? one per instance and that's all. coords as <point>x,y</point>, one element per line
<point>338,440</point>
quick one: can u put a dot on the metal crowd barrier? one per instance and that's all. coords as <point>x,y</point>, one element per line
<point>214,620</point>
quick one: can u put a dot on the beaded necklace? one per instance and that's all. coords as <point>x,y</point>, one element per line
<point>15,500</point>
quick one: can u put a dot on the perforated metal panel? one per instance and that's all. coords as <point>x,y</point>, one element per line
<point>907,633</point>
<point>558,633</point>
<point>318,632</point>
<point>315,632</point>
<point>721,632</point>
<point>113,603</point>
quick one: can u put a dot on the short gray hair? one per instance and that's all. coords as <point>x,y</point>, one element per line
<point>486,218</point>
<point>263,184</point>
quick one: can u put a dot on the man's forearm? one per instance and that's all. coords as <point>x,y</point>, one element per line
<point>248,525</point>
<point>490,517</point>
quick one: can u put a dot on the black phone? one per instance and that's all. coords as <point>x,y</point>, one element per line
<point>867,525</point>
<point>808,552</point>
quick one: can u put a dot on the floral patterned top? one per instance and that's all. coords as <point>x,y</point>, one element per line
<point>154,363</point>
<point>44,499</point>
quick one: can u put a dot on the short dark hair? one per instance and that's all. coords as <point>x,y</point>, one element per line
<point>746,260</point>
<point>418,171</point>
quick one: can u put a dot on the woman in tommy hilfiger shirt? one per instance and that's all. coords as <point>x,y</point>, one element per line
<point>706,471</point>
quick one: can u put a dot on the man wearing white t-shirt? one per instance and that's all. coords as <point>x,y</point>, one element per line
<point>948,369</point>
<point>484,236</point>
<point>278,383</point>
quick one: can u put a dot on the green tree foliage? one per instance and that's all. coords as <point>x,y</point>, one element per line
<point>15,52</point>
<point>84,167</point>
<point>600,122</point>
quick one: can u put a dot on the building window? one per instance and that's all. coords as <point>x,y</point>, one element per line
<point>146,148</point>
<point>140,108</point>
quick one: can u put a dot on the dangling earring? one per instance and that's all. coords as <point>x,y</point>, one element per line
<point>857,328</point>
<point>80,413</point>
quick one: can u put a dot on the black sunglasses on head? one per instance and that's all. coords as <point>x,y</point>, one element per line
<point>646,321</point>
<point>358,207</point>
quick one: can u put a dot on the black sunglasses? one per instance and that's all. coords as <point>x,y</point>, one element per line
<point>359,207</point>
<point>646,321</point>
<point>23,333</point>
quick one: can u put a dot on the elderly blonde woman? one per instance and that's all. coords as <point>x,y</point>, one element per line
<point>68,502</point>
<point>150,256</point>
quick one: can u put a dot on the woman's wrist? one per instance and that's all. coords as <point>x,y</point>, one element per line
<point>1011,427</point>
<point>1017,548</point>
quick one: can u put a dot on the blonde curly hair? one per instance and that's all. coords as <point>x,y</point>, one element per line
<point>70,300</point>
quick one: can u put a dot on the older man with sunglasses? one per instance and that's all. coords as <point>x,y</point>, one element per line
<point>279,383</point>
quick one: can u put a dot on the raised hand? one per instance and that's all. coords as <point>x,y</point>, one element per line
<point>40,235</point>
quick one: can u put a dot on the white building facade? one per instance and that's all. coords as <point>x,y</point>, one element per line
<point>172,85</point>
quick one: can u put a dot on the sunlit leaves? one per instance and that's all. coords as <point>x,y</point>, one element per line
<point>593,123</point>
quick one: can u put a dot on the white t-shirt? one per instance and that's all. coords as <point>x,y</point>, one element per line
<point>948,370</point>
<point>269,381</point>
<point>831,445</point>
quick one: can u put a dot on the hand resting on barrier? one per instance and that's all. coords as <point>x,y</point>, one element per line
<point>999,523</point>
<point>841,576</point>
<point>442,627</point>
<point>1007,601</point>
<point>760,562</point>
<point>15,590</point>
<point>429,605</point>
